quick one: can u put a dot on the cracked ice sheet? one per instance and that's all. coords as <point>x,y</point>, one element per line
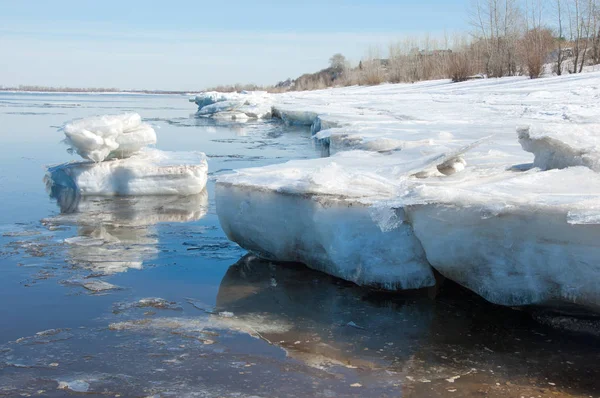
<point>149,172</point>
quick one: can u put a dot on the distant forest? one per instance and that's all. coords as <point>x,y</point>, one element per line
<point>45,89</point>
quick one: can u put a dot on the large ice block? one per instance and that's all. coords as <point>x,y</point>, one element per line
<point>515,238</point>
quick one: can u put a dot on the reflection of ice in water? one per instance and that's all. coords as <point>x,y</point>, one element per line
<point>329,324</point>
<point>115,234</point>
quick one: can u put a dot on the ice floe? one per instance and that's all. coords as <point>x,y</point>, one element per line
<point>148,172</point>
<point>119,162</point>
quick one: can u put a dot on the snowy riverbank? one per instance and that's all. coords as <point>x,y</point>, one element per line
<point>438,175</point>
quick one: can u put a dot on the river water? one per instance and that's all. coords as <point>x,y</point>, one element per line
<point>189,313</point>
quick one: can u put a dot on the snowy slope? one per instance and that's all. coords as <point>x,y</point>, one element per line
<point>440,168</point>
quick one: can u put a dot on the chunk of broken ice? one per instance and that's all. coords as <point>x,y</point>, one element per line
<point>109,136</point>
<point>558,146</point>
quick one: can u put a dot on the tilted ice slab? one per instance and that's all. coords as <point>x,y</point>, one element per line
<point>234,106</point>
<point>109,136</point>
<point>149,172</point>
<point>515,238</point>
<point>557,146</point>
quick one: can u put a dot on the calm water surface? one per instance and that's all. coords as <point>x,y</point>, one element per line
<point>189,313</point>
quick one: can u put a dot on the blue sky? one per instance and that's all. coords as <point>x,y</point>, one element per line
<point>189,45</point>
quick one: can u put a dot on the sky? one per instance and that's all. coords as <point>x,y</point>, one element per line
<point>191,45</point>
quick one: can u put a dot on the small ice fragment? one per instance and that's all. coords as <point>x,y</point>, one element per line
<point>75,386</point>
<point>354,325</point>
<point>93,285</point>
<point>356,385</point>
<point>153,302</point>
<point>226,314</point>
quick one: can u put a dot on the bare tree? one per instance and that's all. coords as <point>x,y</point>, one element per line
<point>580,18</point>
<point>497,25</point>
<point>559,52</point>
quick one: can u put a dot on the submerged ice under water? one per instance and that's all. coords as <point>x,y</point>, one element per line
<point>143,296</point>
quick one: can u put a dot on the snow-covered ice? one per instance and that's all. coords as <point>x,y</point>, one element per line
<point>148,172</point>
<point>433,174</point>
<point>108,136</point>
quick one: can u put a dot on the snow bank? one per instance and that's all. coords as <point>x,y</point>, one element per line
<point>149,172</point>
<point>557,146</point>
<point>109,136</point>
<point>234,106</point>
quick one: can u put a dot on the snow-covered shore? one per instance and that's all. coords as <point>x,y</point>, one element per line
<point>492,182</point>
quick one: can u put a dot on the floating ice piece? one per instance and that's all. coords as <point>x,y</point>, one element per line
<point>80,386</point>
<point>557,146</point>
<point>149,172</point>
<point>511,237</point>
<point>149,302</point>
<point>93,285</point>
<point>109,136</point>
<point>234,106</point>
